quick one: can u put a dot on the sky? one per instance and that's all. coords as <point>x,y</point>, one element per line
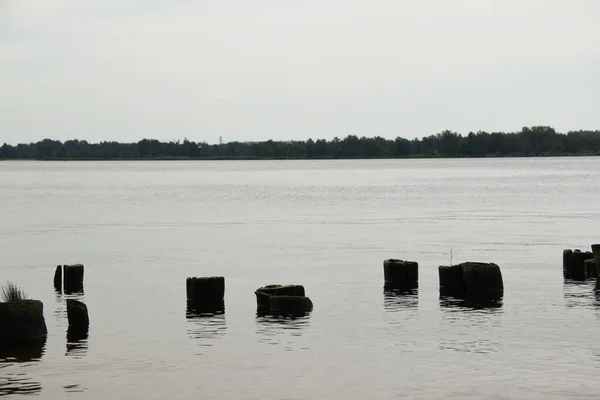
<point>249,70</point>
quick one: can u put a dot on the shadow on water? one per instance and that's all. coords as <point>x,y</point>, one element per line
<point>77,342</point>
<point>14,353</point>
<point>271,329</point>
<point>206,321</point>
<point>397,300</point>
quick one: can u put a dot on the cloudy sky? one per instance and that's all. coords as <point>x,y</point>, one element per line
<point>293,69</point>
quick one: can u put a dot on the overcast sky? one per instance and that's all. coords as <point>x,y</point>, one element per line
<point>293,69</point>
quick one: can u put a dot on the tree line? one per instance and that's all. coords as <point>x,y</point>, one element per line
<point>530,141</point>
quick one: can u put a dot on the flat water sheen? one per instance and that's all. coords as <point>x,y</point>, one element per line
<point>141,228</point>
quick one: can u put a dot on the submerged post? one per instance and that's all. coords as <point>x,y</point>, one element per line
<point>400,274</point>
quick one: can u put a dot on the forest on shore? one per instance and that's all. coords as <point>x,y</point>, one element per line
<point>529,142</point>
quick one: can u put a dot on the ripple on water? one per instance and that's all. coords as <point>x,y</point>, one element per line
<point>471,325</point>
<point>77,342</point>
<point>484,304</point>
<point>278,329</point>
<point>580,294</point>
<point>395,300</point>
<point>206,327</point>
<point>15,355</point>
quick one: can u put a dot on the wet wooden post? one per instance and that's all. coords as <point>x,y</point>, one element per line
<point>290,305</point>
<point>22,320</point>
<point>567,253</point>
<point>590,268</point>
<point>577,264</point>
<point>206,294</point>
<point>73,278</point>
<point>471,279</point>
<point>400,274</point>
<point>77,314</point>
<point>264,293</point>
<point>58,278</point>
<point>596,253</point>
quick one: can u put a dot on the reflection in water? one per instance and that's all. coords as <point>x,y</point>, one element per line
<point>207,321</point>
<point>206,327</point>
<point>16,353</point>
<point>482,346</point>
<point>194,309</point>
<point>273,328</point>
<point>470,302</point>
<point>395,300</point>
<point>469,323</point>
<point>579,294</point>
<point>18,383</point>
<point>77,341</point>
<point>73,389</point>
<point>22,351</point>
<point>61,300</point>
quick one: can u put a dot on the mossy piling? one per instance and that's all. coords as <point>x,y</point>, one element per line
<point>22,320</point>
<point>470,279</point>
<point>575,266</point>
<point>282,300</point>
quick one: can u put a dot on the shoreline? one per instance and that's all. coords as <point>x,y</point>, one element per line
<point>232,158</point>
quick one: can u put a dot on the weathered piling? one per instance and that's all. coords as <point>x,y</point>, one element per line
<point>451,280</point>
<point>290,305</point>
<point>77,314</point>
<point>22,320</point>
<point>400,274</point>
<point>264,293</point>
<point>73,278</point>
<point>471,279</point>
<point>206,294</point>
<point>577,264</point>
<point>58,278</point>
<point>567,263</point>
<point>590,268</point>
<point>596,253</point>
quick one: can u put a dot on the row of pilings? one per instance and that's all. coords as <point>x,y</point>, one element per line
<point>206,295</point>
<point>24,319</point>
<point>68,279</point>
<point>582,265</point>
<point>462,281</point>
<point>22,322</point>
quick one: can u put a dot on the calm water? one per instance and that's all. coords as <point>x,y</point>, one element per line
<point>141,228</point>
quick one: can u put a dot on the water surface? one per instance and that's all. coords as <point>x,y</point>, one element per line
<point>141,228</point>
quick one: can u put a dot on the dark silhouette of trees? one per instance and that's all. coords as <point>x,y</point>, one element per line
<point>530,141</point>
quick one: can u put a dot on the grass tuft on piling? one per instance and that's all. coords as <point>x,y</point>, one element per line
<point>11,292</point>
